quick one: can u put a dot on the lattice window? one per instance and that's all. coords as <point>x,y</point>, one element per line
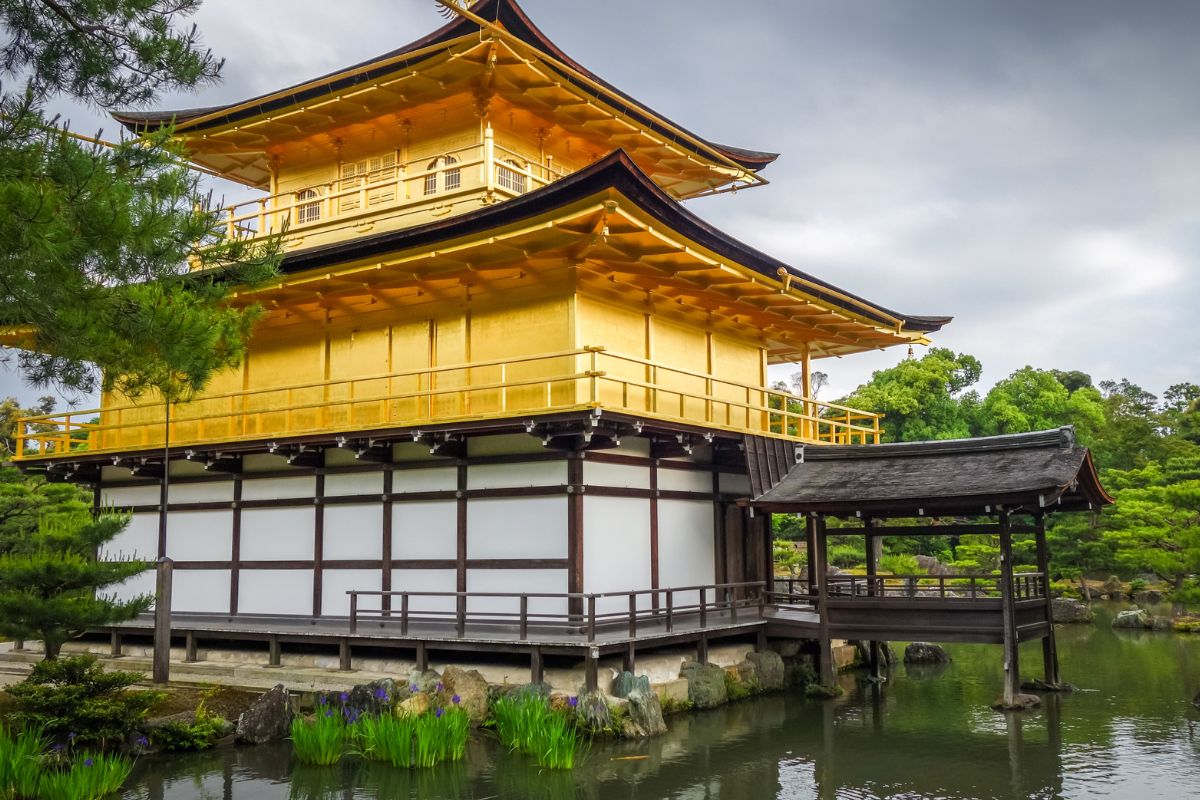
<point>451,176</point>
<point>307,212</point>
<point>511,175</point>
<point>378,174</point>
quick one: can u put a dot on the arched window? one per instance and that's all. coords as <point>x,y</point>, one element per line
<point>511,176</point>
<point>451,176</point>
<point>307,212</point>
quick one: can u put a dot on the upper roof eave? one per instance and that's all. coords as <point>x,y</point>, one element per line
<point>504,12</point>
<point>619,173</point>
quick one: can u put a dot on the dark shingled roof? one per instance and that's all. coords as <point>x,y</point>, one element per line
<point>1041,470</point>
<point>505,12</point>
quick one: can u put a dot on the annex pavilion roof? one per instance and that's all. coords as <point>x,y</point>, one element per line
<point>511,58</point>
<point>1041,471</point>
<point>623,233</point>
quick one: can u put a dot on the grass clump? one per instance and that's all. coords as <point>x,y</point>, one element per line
<point>527,724</point>
<point>201,734</point>
<point>21,763</point>
<point>88,777</point>
<point>441,736</point>
<point>321,740</point>
<point>414,741</point>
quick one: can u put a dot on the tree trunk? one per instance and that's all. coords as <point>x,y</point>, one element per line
<point>52,649</point>
<point>1085,590</point>
<point>1177,609</point>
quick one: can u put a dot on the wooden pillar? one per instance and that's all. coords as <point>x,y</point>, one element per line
<point>115,644</point>
<point>1012,669</point>
<point>162,621</point>
<point>536,669</point>
<point>236,553</point>
<point>318,543</point>
<point>817,558</point>
<point>575,533</point>
<point>810,547</point>
<point>1049,646</point>
<point>873,552</point>
<point>592,667</point>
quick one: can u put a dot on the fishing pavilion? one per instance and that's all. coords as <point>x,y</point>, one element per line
<point>507,390</point>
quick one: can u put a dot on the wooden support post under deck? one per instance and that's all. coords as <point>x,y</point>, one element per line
<point>1049,647</point>
<point>825,645</point>
<point>810,529</point>
<point>274,653</point>
<point>702,649</point>
<point>422,657</point>
<point>162,620</point>
<point>873,551</point>
<point>1012,669</point>
<point>629,657</point>
<point>592,667</point>
<point>190,655</point>
<point>536,668</point>
<point>115,644</point>
<point>344,662</point>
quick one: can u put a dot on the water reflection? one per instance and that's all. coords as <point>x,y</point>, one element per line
<point>1126,735</point>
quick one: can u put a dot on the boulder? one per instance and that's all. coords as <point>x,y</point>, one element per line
<point>1162,623</point>
<point>741,681</point>
<point>931,566</point>
<point>1113,588</point>
<point>427,681</point>
<point>1148,597</point>
<point>592,714</point>
<point>626,683</point>
<point>645,717</point>
<point>377,697</point>
<point>786,648</point>
<point>414,706</point>
<point>1071,611</point>
<point>471,690</point>
<point>706,684</point>
<point>925,653</point>
<point>1132,618</point>
<point>771,676</point>
<point>269,719</point>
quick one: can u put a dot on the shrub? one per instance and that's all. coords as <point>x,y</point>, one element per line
<point>200,735</point>
<point>846,555</point>
<point>527,724</point>
<point>899,564</point>
<point>73,700</point>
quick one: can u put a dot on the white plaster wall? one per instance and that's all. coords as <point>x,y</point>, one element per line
<point>278,534</point>
<point>200,591</point>
<point>425,529</point>
<point>278,488</point>
<point>200,535</point>
<point>336,582</point>
<point>131,588</point>
<point>735,484</point>
<point>632,446</point>
<point>353,531</point>
<point>531,581</point>
<point>685,480</point>
<point>424,580</point>
<point>275,591</point>
<point>140,538</point>
<point>354,483</point>
<point>126,496</point>
<point>685,546</point>
<point>616,549</point>
<point>519,527</point>
<point>202,492</point>
<point>532,473</point>
<point>598,473</point>
<point>435,479</point>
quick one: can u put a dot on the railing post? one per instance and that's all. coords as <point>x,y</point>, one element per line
<point>460,615</point>
<point>670,610</point>
<point>404,614</point>
<point>524,616</point>
<point>353,612</point>
<point>489,160</point>
<point>703,607</point>
<point>733,601</point>
<point>591,612</point>
<point>632,615</point>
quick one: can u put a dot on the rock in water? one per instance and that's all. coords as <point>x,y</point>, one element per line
<point>925,653</point>
<point>770,670</point>
<point>591,712</point>
<point>645,715</point>
<point>1071,611</point>
<point>471,690</point>
<point>1148,597</point>
<point>376,697</point>
<point>1132,618</point>
<point>1196,700</point>
<point>1022,702</point>
<point>268,720</point>
<point>706,684</point>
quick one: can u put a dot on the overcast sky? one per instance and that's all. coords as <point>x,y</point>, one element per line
<point>1030,167</point>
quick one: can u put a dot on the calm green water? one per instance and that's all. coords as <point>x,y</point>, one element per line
<point>1130,732</point>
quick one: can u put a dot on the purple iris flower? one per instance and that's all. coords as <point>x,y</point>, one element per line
<point>381,693</point>
<point>343,697</point>
<point>440,687</point>
<point>87,762</point>
<point>143,741</point>
<point>329,713</point>
<point>320,699</point>
<point>414,688</point>
<point>437,712</point>
<point>58,748</point>
<point>456,699</point>
<point>573,701</point>
<point>71,735</point>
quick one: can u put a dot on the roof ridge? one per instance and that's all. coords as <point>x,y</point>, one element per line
<point>1062,438</point>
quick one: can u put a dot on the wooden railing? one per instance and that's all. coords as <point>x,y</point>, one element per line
<point>1026,586</point>
<point>396,189</point>
<point>645,610</point>
<point>589,377</point>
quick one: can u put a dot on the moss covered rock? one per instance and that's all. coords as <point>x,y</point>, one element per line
<point>771,673</point>
<point>706,684</point>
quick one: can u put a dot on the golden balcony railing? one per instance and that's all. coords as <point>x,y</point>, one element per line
<point>590,377</point>
<point>396,190</point>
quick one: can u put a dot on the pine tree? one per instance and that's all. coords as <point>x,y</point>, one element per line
<point>52,583</point>
<point>113,269</point>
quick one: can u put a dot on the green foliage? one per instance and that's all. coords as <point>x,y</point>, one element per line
<point>89,776</point>
<point>846,555</point>
<point>24,501</point>
<point>526,724</point>
<point>74,701</point>
<point>387,738</point>
<point>899,564</point>
<point>21,762</point>
<point>1033,400</point>
<point>787,526</point>
<point>50,580</point>
<point>320,740</point>
<point>788,557</point>
<point>113,258</point>
<point>440,735</point>
<point>201,734</point>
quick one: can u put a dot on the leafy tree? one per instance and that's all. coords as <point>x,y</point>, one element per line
<point>1072,379</point>
<point>24,501</point>
<point>923,398</point>
<point>10,412</point>
<point>50,581</point>
<point>1033,399</point>
<point>111,257</point>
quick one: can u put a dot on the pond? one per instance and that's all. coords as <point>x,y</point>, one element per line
<point>1129,732</point>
